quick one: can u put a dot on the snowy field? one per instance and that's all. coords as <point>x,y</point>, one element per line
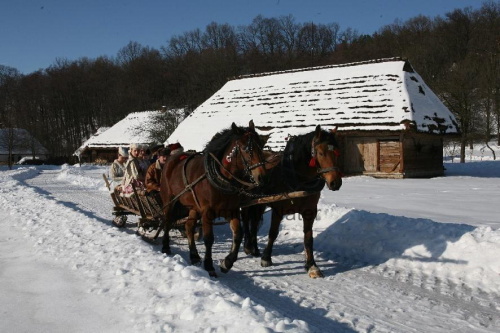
<point>412,255</point>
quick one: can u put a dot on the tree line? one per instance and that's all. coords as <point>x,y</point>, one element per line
<point>457,55</point>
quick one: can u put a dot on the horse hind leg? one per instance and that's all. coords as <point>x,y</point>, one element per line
<point>231,258</point>
<point>251,219</point>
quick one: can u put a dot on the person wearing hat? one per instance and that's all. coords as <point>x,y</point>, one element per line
<point>175,148</point>
<point>153,176</point>
<point>154,152</point>
<point>117,169</point>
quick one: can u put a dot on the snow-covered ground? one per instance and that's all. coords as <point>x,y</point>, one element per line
<point>412,255</point>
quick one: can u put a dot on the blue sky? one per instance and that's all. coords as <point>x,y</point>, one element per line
<point>33,33</point>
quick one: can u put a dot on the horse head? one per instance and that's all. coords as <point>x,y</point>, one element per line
<point>324,155</point>
<point>244,154</point>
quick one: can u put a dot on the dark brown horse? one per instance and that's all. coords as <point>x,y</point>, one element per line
<point>231,162</point>
<point>308,162</point>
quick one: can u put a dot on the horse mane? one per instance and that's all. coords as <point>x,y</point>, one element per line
<point>302,148</point>
<point>219,142</point>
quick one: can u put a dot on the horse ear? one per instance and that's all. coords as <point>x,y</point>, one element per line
<point>235,128</point>
<point>334,130</point>
<point>317,132</point>
<point>251,125</point>
<point>263,138</point>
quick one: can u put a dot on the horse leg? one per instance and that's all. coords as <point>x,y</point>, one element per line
<point>208,239</point>
<point>310,266</point>
<point>229,261</point>
<point>166,241</point>
<point>245,217</point>
<point>194,257</point>
<point>276,218</point>
<point>251,218</point>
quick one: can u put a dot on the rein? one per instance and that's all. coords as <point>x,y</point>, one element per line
<point>325,170</point>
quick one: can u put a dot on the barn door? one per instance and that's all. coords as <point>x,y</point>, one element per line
<point>361,155</point>
<point>389,154</point>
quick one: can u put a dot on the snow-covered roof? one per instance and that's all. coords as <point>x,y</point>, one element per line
<point>84,145</point>
<point>377,95</point>
<point>22,143</point>
<point>131,129</point>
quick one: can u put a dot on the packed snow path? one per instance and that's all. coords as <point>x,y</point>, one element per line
<point>382,285</point>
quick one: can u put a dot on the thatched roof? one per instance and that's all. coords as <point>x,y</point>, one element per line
<point>22,142</point>
<point>379,95</point>
<point>131,129</point>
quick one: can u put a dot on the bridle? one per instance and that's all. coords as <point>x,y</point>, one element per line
<point>313,163</point>
<point>248,167</point>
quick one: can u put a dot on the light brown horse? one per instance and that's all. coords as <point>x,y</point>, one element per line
<point>231,162</point>
<point>308,162</point>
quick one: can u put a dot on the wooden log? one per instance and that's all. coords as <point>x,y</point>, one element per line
<point>278,197</point>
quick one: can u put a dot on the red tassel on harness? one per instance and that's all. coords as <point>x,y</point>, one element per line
<point>312,162</point>
<point>182,157</point>
<point>226,162</point>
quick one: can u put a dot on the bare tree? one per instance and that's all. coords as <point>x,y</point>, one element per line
<point>219,37</point>
<point>130,52</point>
<point>163,124</point>
<point>289,34</point>
<point>180,46</point>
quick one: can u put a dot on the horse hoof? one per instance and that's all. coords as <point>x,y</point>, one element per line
<point>252,252</point>
<point>314,272</point>
<point>223,267</point>
<point>212,274</point>
<point>166,251</point>
<point>266,263</point>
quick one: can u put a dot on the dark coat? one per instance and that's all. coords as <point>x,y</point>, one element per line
<point>153,177</point>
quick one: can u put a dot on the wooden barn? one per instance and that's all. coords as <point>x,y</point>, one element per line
<point>390,123</point>
<point>103,146</point>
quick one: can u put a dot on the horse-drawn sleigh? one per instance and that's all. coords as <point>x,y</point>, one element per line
<point>235,179</point>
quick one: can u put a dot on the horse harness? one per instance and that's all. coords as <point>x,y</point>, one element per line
<point>216,178</point>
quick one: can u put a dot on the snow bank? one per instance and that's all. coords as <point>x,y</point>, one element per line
<point>457,252</point>
<point>79,176</point>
